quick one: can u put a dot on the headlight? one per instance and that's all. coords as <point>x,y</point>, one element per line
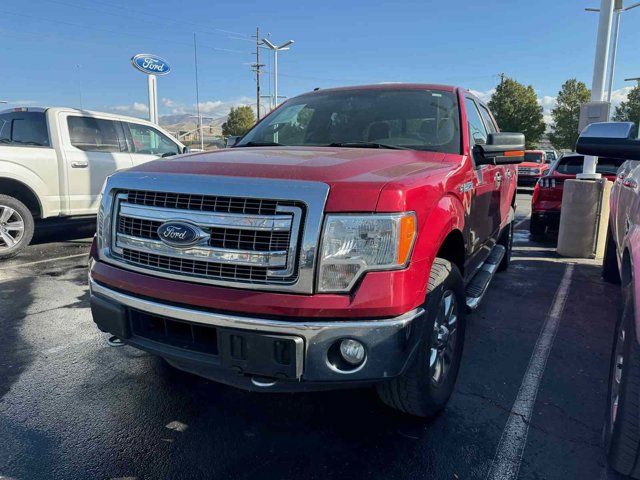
<point>354,244</point>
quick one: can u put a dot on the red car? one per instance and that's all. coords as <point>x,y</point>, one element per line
<point>547,194</point>
<point>622,265</point>
<point>338,243</point>
<point>534,166</point>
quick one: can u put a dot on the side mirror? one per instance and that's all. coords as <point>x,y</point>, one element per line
<point>610,139</point>
<point>232,140</point>
<point>501,149</point>
<point>186,150</point>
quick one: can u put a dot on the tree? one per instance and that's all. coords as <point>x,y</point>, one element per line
<point>566,115</point>
<point>239,121</point>
<point>516,110</point>
<point>629,110</point>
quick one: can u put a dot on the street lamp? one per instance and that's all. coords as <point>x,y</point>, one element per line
<point>618,8</point>
<point>284,46</point>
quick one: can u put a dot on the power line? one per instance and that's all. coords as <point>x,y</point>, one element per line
<point>257,68</point>
<point>128,12</point>
<point>108,30</point>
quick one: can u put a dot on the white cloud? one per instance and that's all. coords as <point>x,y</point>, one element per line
<point>548,103</point>
<point>618,96</point>
<point>167,102</point>
<point>484,96</point>
<point>136,109</point>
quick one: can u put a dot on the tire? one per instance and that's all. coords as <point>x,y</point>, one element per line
<point>506,240</point>
<point>610,270</point>
<point>14,213</point>
<point>423,389</point>
<point>536,227</point>
<point>622,430</point>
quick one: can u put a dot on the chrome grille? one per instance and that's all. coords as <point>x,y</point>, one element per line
<point>203,203</point>
<point>194,267</point>
<point>240,240</point>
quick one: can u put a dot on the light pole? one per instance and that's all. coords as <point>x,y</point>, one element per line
<point>284,46</point>
<point>618,9</point>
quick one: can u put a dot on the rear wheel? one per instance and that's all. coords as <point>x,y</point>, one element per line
<point>622,421</point>
<point>536,227</point>
<point>610,270</point>
<point>425,387</point>
<point>16,226</point>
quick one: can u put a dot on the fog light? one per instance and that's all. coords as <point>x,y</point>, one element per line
<point>352,351</point>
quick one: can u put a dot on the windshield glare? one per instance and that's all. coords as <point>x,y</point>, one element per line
<point>415,119</point>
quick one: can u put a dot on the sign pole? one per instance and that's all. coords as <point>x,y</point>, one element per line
<point>153,98</point>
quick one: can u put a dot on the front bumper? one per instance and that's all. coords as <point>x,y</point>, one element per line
<point>390,343</point>
<point>528,180</point>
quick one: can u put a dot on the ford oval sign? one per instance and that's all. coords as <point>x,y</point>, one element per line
<point>150,64</point>
<point>179,234</point>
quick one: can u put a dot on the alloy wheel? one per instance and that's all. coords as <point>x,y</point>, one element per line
<point>11,227</point>
<point>444,339</point>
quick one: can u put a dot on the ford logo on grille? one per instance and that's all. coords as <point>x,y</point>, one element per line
<point>178,234</point>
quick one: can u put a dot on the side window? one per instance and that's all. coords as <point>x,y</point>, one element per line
<point>94,134</point>
<point>477,132</point>
<point>24,128</point>
<point>488,121</point>
<point>148,140</point>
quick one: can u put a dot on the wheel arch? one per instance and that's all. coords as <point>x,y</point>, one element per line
<point>24,193</point>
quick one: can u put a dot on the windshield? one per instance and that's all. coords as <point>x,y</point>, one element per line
<point>535,157</point>
<point>573,165</point>
<point>414,119</point>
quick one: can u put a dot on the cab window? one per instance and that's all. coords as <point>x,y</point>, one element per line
<point>148,140</point>
<point>24,129</point>
<point>95,134</point>
<point>488,121</point>
<point>477,131</point>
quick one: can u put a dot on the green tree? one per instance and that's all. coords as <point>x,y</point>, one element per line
<point>629,110</point>
<point>516,110</point>
<point>239,121</point>
<point>566,115</point>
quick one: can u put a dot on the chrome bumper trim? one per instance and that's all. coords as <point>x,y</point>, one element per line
<point>310,331</point>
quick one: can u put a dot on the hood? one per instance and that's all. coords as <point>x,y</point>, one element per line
<point>355,175</point>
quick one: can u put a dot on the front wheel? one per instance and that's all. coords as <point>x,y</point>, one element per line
<point>425,387</point>
<point>16,226</point>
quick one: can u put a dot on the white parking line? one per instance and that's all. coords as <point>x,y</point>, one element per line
<point>28,264</point>
<point>515,227</point>
<point>506,463</point>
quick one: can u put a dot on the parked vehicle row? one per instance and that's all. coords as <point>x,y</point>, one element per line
<point>340,242</point>
<point>53,162</point>
<point>546,200</point>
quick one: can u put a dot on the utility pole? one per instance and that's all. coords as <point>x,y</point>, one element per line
<point>195,59</point>
<point>256,68</point>
<point>501,75</point>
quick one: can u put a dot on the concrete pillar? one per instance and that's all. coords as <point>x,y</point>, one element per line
<point>584,218</point>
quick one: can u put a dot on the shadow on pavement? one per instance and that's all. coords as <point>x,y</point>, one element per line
<point>49,231</point>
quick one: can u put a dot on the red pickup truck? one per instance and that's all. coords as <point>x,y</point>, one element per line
<point>547,194</point>
<point>535,165</point>
<point>338,243</point>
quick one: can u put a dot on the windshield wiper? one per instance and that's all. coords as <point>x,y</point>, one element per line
<point>367,145</point>
<point>261,144</point>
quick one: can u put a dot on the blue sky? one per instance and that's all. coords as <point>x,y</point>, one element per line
<point>54,51</point>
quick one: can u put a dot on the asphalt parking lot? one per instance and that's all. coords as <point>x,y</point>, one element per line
<point>71,406</point>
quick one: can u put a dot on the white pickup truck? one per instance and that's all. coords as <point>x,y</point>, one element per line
<point>53,162</point>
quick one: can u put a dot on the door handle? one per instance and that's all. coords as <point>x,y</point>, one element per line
<point>79,164</point>
<point>497,178</point>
